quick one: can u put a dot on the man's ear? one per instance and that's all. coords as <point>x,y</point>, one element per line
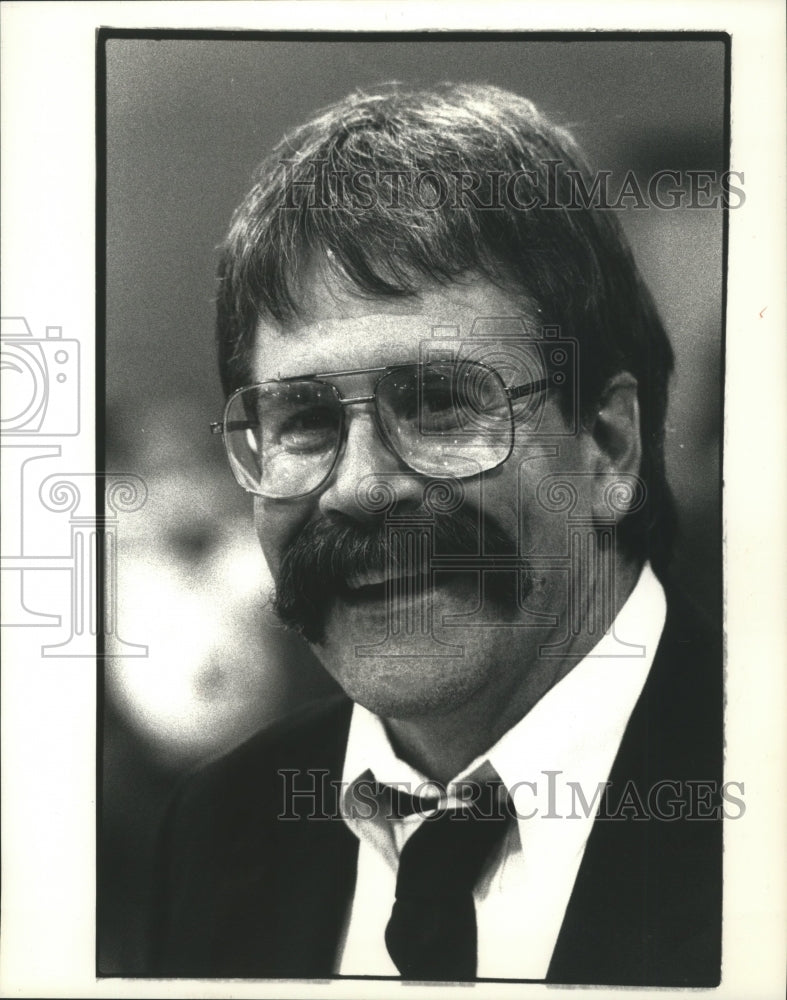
<point>616,437</point>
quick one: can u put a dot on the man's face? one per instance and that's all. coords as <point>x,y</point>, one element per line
<point>414,654</point>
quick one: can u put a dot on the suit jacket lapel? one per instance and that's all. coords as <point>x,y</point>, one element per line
<point>646,905</point>
<point>313,886</point>
<point>601,939</point>
<point>315,854</point>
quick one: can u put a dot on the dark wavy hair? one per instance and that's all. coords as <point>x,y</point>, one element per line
<point>571,264</point>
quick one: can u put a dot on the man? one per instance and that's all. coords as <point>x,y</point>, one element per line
<point>446,390</point>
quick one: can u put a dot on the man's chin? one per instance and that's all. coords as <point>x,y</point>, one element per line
<point>396,682</point>
<point>395,657</point>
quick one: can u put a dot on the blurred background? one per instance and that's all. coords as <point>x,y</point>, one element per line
<point>187,122</point>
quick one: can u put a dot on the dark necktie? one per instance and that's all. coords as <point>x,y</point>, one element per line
<point>432,931</point>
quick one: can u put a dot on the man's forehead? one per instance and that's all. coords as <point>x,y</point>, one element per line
<point>353,332</point>
<point>336,345</point>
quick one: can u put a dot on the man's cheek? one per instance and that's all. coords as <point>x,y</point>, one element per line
<point>267,545</point>
<point>275,528</point>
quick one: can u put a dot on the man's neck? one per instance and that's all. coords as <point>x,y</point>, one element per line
<point>441,746</point>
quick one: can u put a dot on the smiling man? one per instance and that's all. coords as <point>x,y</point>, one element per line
<point>446,390</point>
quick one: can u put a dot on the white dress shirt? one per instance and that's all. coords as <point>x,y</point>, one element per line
<point>560,752</point>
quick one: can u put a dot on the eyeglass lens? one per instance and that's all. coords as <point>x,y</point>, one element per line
<point>446,418</point>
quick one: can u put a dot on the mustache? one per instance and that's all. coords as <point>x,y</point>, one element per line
<point>322,561</point>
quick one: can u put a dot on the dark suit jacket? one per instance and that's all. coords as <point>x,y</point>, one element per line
<point>244,894</point>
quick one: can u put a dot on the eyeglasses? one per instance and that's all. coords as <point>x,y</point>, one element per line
<point>441,418</point>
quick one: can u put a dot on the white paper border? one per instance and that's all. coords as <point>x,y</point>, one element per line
<point>49,753</point>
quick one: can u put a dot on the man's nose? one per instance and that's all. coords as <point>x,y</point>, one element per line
<point>368,478</point>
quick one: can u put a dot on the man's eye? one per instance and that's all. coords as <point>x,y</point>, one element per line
<point>433,409</point>
<point>439,400</point>
<point>311,430</point>
<point>431,399</point>
<point>438,408</point>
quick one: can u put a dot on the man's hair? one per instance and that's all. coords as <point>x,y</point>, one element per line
<point>352,187</point>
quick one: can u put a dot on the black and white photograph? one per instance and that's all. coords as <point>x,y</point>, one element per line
<point>406,568</point>
<point>465,720</point>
